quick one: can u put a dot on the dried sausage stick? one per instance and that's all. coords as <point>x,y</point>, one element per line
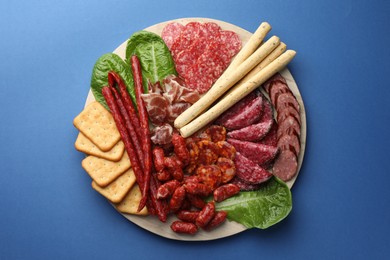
<point>130,127</point>
<point>184,227</point>
<point>144,120</point>
<point>113,78</point>
<point>112,104</point>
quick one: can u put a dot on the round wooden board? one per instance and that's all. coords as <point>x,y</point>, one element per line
<point>151,223</point>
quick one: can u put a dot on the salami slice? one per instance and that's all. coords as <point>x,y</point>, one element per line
<point>290,141</point>
<point>209,175</point>
<point>249,171</point>
<point>286,165</point>
<point>236,108</point>
<point>271,137</point>
<point>277,77</point>
<point>287,125</point>
<point>171,32</point>
<point>245,186</point>
<point>253,132</point>
<point>284,100</point>
<point>249,114</point>
<point>256,152</point>
<point>288,111</point>
<point>232,42</point>
<point>276,89</point>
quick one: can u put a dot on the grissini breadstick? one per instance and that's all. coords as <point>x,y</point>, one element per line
<point>252,44</point>
<point>234,96</point>
<point>226,81</point>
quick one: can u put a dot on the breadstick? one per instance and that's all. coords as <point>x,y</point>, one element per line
<point>226,81</point>
<point>270,58</point>
<point>237,94</point>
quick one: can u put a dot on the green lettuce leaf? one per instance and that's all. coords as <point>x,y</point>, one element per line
<point>110,62</point>
<point>261,208</point>
<point>155,57</point>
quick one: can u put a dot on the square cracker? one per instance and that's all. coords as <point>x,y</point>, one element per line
<point>98,125</point>
<point>103,171</point>
<point>130,203</point>
<point>83,144</point>
<point>117,190</point>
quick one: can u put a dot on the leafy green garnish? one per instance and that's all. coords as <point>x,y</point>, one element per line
<point>110,62</point>
<point>261,208</point>
<point>155,57</point>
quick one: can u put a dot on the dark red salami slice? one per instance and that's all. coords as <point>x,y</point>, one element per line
<point>253,132</point>
<point>276,89</point>
<point>249,171</point>
<point>274,78</point>
<point>285,100</point>
<point>288,111</point>
<point>236,108</point>
<point>288,141</point>
<point>286,165</point>
<point>271,137</point>
<point>256,152</point>
<point>171,32</point>
<point>287,125</point>
<point>249,114</point>
<point>245,186</point>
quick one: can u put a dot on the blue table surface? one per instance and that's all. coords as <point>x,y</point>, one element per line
<point>341,198</point>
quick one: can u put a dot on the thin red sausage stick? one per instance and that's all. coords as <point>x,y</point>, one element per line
<point>113,78</point>
<point>144,120</point>
<point>111,102</point>
<point>130,127</point>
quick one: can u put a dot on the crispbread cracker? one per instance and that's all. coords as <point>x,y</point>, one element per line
<point>117,190</point>
<point>103,171</point>
<point>83,144</point>
<point>98,125</point>
<point>130,203</point>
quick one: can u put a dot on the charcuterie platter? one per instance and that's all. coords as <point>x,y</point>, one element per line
<point>282,95</point>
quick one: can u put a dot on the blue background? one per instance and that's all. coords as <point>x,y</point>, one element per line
<point>342,196</point>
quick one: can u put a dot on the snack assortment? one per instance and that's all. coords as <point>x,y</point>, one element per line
<point>179,127</point>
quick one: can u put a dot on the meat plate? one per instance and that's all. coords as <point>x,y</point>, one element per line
<point>152,223</point>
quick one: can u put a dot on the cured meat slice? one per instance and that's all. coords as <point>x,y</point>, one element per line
<point>288,111</point>
<point>214,133</point>
<point>287,125</point>
<point>286,165</point>
<point>228,169</point>
<point>174,110</point>
<point>162,134</point>
<point>236,108</point>
<point>232,42</point>
<point>277,77</point>
<point>226,150</point>
<point>256,152</point>
<point>243,185</point>
<point>249,171</point>
<point>208,152</point>
<point>171,32</point>
<point>290,141</point>
<point>210,175</point>
<point>285,100</point>
<point>205,72</point>
<point>271,137</point>
<point>253,132</point>
<point>268,113</point>
<point>156,106</point>
<point>249,114</point>
<point>276,89</point>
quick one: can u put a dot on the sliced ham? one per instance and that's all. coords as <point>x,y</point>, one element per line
<point>156,106</point>
<point>162,134</point>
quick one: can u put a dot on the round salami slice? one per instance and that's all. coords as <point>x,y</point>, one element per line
<point>226,150</point>
<point>288,141</point>
<point>287,125</point>
<point>285,100</point>
<point>274,78</point>
<point>286,165</point>
<point>232,41</point>
<point>245,186</point>
<point>210,175</point>
<point>171,32</point>
<point>288,111</point>
<point>208,152</point>
<point>228,169</point>
<point>276,89</point>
